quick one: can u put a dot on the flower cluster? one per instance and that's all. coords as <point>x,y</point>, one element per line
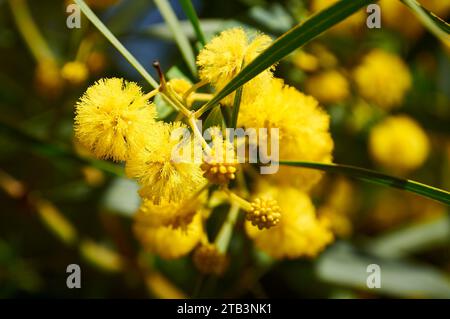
<point>116,120</point>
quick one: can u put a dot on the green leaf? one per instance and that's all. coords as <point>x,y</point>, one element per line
<point>236,107</point>
<point>432,22</point>
<point>377,178</point>
<point>411,239</point>
<point>289,41</point>
<point>189,10</point>
<point>122,197</point>
<point>126,14</point>
<point>180,37</point>
<point>341,264</point>
<point>114,41</point>
<point>209,26</point>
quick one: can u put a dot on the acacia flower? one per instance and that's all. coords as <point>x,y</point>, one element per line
<point>208,260</point>
<point>303,130</point>
<point>399,144</point>
<point>175,214</point>
<point>299,232</point>
<point>220,162</point>
<point>328,86</point>
<point>169,242</point>
<point>163,175</point>
<point>383,78</point>
<point>226,54</point>
<point>112,117</point>
<point>75,72</point>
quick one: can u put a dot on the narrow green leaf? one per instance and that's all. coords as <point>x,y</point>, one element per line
<point>288,42</point>
<point>343,265</point>
<point>412,239</point>
<point>236,107</point>
<point>180,37</point>
<point>126,14</point>
<point>209,26</point>
<point>432,22</point>
<point>189,10</point>
<point>114,41</point>
<point>377,178</point>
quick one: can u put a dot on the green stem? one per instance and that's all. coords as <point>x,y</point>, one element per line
<point>29,31</point>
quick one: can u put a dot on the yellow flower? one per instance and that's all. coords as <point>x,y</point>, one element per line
<point>47,79</point>
<point>223,58</point>
<point>303,130</point>
<point>299,232</point>
<point>220,162</point>
<point>305,61</point>
<point>208,260</point>
<point>169,242</point>
<point>164,174</point>
<point>112,117</point>
<point>328,87</point>
<point>353,24</point>
<point>383,78</point>
<point>397,16</point>
<point>181,86</point>
<point>339,206</point>
<point>394,208</point>
<point>75,72</point>
<point>96,62</point>
<point>175,214</point>
<point>399,144</point>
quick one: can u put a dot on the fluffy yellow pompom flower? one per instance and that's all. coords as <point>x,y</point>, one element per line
<point>328,87</point>
<point>353,24</point>
<point>112,117</point>
<point>299,232</point>
<point>383,78</point>
<point>303,130</point>
<point>399,144</point>
<point>220,162</point>
<point>175,214</point>
<point>163,173</point>
<point>75,72</point>
<point>208,260</point>
<point>223,58</point>
<point>47,79</point>
<point>169,242</point>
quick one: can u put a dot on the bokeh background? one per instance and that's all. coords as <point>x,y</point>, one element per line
<point>58,208</point>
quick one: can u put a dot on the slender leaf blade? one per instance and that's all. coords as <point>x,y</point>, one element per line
<point>180,37</point>
<point>432,22</point>
<point>236,107</point>
<point>115,42</point>
<point>377,178</point>
<point>189,10</point>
